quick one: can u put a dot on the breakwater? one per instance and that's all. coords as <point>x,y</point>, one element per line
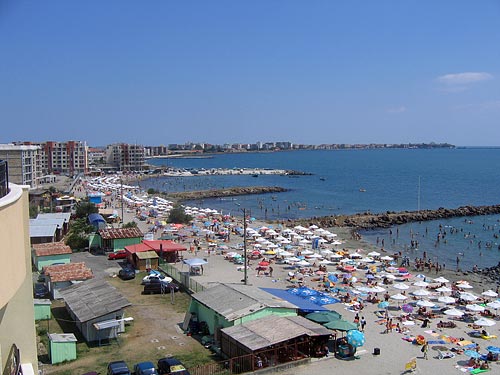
<point>369,220</point>
<point>228,192</point>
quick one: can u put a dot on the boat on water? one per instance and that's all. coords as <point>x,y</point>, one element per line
<point>255,175</point>
<point>322,179</point>
<point>361,190</point>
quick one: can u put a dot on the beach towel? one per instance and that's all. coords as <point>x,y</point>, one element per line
<point>435,342</point>
<point>464,343</point>
<point>478,371</point>
<point>472,345</point>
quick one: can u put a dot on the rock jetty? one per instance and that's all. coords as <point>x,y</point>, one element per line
<point>229,192</point>
<point>369,220</point>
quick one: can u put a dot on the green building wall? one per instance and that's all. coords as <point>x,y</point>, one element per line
<point>62,351</point>
<point>120,243</point>
<point>51,259</point>
<point>42,311</point>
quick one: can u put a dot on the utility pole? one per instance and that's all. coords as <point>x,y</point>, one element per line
<point>121,195</point>
<point>245,280</point>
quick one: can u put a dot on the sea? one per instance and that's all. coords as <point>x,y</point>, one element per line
<point>369,180</point>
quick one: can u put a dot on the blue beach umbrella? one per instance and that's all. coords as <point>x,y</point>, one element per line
<point>355,338</point>
<point>333,278</point>
<point>472,354</point>
<point>383,305</point>
<point>493,349</point>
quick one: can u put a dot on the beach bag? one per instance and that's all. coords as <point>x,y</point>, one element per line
<point>422,349</point>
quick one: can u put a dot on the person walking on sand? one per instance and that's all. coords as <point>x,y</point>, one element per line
<point>271,271</point>
<point>363,323</point>
<point>425,349</point>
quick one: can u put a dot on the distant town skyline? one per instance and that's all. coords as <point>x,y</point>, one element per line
<point>225,72</point>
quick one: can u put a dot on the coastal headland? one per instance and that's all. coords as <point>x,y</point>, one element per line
<point>228,192</point>
<point>369,220</point>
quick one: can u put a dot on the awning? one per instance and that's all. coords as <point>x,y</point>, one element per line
<point>304,305</point>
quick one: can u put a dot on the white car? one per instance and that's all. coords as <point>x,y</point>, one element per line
<point>153,278</point>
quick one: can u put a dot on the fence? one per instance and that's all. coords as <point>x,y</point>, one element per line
<point>182,277</point>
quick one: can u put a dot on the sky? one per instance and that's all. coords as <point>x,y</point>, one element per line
<point>234,71</point>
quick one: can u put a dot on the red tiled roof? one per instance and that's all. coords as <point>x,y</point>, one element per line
<point>114,233</point>
<point>52,248</point>
<point>68,272</point>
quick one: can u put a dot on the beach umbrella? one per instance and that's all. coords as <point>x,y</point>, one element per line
<point>401,286</point>
<point>324,299</point>
<point>444,289</point>
<point>464,285</point>
<point>407,308</point>
<point>399,297</point>
<point>494,305</point>
<point>377,289</point>
<point>425,303</point>
<point>340,325</point>
<point>420,292</point>
<point>387,258</point>
<point>383,305</point>
<point>489,293</point>
<point>264,263</point>
<point>485,322</point>
<point>333,278</point>
<point>493,349</point>
<point>474,307</point>
<point>472,354</point>
<point>303,263</point>
<point>453,312</point>
<point>446,299</point>
<point>373,254</point>
<point>421,284</point>
<point>441,279</point>
<point>421,276</point>
<point>355,338</point>
<point>468,296</point>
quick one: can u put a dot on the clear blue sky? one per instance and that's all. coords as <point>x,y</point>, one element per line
<point>159,72</point>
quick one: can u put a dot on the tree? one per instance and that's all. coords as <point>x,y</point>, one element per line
<point>84,208</point>
<point>130,224</point>
<point>78,236</point>
<point>178,215</point>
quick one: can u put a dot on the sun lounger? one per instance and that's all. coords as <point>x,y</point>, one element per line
<point>445,354</point>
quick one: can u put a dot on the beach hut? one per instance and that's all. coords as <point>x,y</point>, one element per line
<point>42,309</point>
<point>62,347</point>
<point>47,254</point>
<point>114,239</point>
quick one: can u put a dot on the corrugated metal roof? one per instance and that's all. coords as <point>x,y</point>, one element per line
<point>147,255</point>
<point>234,301</point>
<point>68,272</point>
<point>114,233</point>
<point>42,230</point>
<point>270,330</point>
<point>65,216</point>
<point>92,299</point>
<point>51,248</point>
<point>62,337</point>
<point>137,248</point>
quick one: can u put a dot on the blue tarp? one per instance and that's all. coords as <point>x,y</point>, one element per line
<point>303,304</point>
<point>97,221</point>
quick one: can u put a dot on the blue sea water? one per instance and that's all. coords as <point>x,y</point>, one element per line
<point>376,180</point>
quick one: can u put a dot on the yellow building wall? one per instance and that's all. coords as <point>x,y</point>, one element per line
<point>17,315</point>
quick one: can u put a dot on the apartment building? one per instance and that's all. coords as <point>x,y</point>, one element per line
<point>24,163</point>
<point>125,157</point>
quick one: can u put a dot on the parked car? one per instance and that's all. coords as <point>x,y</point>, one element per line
<point>159,287</point>
<point>156,278</point>
<point>118,368</point>
<point>40,290</point>
<point>121,254</point>
<point>126,274</point>
<point>145,368</point>
<point>171,365</point>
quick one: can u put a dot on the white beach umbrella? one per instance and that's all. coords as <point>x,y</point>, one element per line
<point>489,293</point>
<point>444,289</point>
<point>355,255</point>
<point>468,296</point>
<point>337,243</point>
<point>421,284</point>
<point>336,256</point>
<point>484,322</point>
<point>494,304</point>
<point>464,286</point>
<point>285,241</point>
<point>401,286</point>
<point>446,299</point>
<point>373,254</point>
<point>292,260</point>
<point>326,252</point>
<point>304,242</point>
<point>366,260</point>
<point>387,275</point>
<point>377,289</point>
<point>425,303</point>
<point>314,226</point>
<point>399,297</point>
<point>453,312</point>
<point>387,257</point>
<point>307,252</point>
<point>325,262</point>
<point>303,263</point>
<point>441,279</point>
<point>315,255</point>
<point>420,292</point>
<point>474,307</point>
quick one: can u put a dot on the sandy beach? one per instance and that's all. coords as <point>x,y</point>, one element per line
<point>396,348</point>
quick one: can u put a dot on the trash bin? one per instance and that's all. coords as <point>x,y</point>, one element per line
<point>376,351</point>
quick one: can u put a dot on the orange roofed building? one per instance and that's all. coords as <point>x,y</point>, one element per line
<point>63,275</point>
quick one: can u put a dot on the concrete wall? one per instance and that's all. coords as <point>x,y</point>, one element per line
<point>16,285</point>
